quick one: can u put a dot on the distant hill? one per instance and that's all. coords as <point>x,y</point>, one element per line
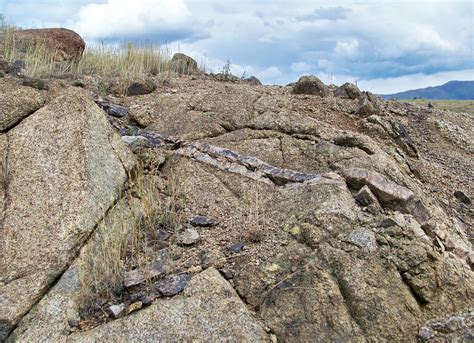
<point>453,90</point>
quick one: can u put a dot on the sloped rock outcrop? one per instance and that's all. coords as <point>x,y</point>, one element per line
<point>326,223</point>
<point>62,168</point>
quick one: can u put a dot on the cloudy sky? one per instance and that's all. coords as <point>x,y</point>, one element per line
<point>387,46</point>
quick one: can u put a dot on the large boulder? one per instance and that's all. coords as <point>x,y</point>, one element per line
<point>310,85</point>
<point>183,64</point>
<point>63,44</point>
<point>62,168</point>
<point>16,102</point>
<point>369,104</point>
<point>141,87</point>
<point>253,81</point>
<point>347,91</point>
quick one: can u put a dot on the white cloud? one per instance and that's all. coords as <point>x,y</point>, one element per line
<point>300,67</point>
<point>138,18</point>
<point>269,73</point>
<point>346,48</point>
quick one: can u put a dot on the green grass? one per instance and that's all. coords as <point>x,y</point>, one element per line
<point>460,106</point>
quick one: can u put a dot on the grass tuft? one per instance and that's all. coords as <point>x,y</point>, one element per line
<point>127,240</point>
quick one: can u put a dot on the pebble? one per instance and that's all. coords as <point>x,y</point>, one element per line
<point>133,139</point>
<point>237,247</point>
<point>227,273</point>
<point>188,237</point>
<point>117,310</point>
<point>134,307</point>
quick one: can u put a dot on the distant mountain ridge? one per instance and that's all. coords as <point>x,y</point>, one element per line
<point>452,90</point>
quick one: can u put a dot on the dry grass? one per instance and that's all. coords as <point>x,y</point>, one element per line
<point>256,220</point>
<point>127,239</point>
<point>121,63</point>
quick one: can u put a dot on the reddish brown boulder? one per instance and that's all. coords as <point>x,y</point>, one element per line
<point>64,44</point>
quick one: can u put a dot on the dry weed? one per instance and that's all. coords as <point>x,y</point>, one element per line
<point>127,238</point>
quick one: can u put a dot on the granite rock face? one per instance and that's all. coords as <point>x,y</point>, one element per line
<point>332,222</point>
<point>63,167</point>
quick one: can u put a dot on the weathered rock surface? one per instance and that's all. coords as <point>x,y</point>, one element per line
<point>208,310</point>
<point>63,44</point>
<point>17,102</point>
<point>57,314</point>
<point>64,167</point>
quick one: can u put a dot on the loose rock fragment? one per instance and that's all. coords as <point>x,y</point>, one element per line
<point>202,221</point>
<point>141,88</point>
<point>462,197</point>
<point>134,307</point>
<point>365,197</point>
<point>348,91</point>
<point>188,237</point>
<point>117,311</point>
<point>174,284</point>
<point>237,247</point>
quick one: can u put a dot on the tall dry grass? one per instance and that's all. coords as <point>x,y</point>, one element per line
<point>122,63</point>
<point>127,238</point>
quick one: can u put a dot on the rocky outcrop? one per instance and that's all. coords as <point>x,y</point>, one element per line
<point>310,85</point>
<point>368,105</point>
<point>347,91</point>
<point>63,44</point>
<point>329,225</point>
<point>64,167</point>
<point>182,64</point>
